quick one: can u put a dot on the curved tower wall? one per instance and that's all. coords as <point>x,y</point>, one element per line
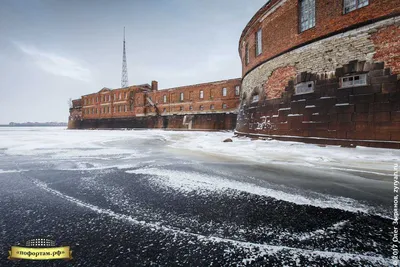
<point>298,87</point>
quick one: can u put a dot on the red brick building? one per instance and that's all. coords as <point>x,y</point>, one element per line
<point>115,108</point>
<point>322,71</point>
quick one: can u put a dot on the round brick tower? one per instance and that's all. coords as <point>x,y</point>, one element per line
<point>322,72</point>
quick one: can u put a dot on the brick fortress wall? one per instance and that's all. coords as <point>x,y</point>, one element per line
<point>363,43</point>
<point>366,115</point>
<point>279,22</point>
<point>377,42</point>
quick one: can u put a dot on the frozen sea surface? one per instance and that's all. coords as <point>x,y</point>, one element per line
<point>163,198</point>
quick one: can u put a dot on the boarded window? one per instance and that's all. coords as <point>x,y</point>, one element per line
<point>304,88</point>
<point>307,14</point>
<point>355,80</point>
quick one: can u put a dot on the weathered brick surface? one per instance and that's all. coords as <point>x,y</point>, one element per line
<point>278,80</point>
<point>387,47</point>
<point>370,118</point>
<point>329,19</point>
<point>382,116</point>
<point>364,41</point>
<point>395,115</point>
<point>132,101</point>
<point>359,117</point>
<point>217,121</point>
<point>325,56</point>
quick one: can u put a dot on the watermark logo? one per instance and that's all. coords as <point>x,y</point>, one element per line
<point>395,239</point>
<point>40,249</point>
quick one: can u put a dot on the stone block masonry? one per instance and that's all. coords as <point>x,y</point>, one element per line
<point>201,122</point>
<point>322,73</point>
<point>331,114</point>
<point>379,41</point>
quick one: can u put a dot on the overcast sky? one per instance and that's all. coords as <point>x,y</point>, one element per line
<point>52,50</point>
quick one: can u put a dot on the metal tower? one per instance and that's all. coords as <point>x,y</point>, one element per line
<point>124,77</point>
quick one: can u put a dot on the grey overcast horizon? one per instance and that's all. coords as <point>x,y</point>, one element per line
<point>53,50</point>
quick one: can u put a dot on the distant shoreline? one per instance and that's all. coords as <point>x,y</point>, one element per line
<point>34,125</point>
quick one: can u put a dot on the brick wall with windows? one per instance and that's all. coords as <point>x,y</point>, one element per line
<point>375,42</point>
<point>282,27</point>
<point>108,103</point>
<point>189,99</point>
<point>329,72</point>
<point>217,97</point>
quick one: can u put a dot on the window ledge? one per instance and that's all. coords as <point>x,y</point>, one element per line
<point>359,85</point>
<point>300,31</point>
<point>344,13</point>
